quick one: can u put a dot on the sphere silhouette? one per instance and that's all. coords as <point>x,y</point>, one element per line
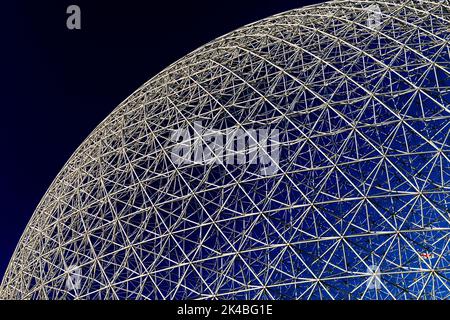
<point>356,204</point>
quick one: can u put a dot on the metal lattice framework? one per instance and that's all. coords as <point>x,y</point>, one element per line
<point>358,209</point>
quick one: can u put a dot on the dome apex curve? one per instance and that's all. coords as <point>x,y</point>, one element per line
<point>303,156</point>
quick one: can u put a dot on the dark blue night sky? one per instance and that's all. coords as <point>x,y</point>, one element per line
<point>57,85</point>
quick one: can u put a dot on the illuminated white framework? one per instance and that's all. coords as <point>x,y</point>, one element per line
<point>358,209</point>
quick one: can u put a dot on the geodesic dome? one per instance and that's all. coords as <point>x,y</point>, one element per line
<point>357,208</point>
